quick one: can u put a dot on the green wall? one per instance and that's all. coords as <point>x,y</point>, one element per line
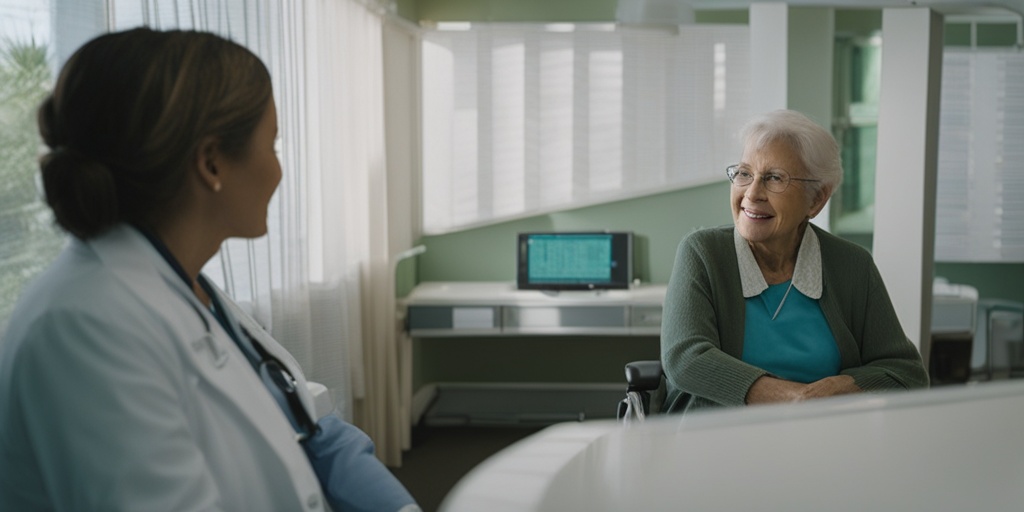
<point>858,22</point>
<point>993,280</point>
<point>658,223</point>
<point>407,9</point>
<point>987,34</point>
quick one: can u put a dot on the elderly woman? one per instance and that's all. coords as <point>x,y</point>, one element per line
<point>773,309</point>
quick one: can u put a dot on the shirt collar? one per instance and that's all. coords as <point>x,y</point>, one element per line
<point>806,274</point>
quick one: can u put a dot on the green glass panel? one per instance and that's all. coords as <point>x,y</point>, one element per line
<point>956,34</point>
<point>997,34</point>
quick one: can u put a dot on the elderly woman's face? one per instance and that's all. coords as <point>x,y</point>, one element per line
<point>763,216</point>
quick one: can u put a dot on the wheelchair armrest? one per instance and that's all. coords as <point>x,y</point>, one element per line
<point>643,375</point>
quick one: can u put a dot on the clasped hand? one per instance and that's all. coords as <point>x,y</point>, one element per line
<point>768,389</point>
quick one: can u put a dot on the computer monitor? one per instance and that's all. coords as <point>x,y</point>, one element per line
<point>574,261</point>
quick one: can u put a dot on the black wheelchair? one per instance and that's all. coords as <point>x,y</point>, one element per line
<point>645,391</point>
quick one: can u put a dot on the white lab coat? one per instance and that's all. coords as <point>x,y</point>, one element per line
<point>120,391</point>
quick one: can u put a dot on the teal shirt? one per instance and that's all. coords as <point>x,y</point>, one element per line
<point>798,344</point>
<point>704,322</point>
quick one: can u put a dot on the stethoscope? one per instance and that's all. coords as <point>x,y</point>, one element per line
<point>276,378</point>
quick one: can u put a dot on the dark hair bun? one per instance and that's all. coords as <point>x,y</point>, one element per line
<point>81,192</point>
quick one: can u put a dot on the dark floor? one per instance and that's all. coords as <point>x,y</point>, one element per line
<point>440,456</point>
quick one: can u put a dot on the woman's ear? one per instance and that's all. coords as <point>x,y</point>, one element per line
<point>820,198</point>
<point>206,163</point>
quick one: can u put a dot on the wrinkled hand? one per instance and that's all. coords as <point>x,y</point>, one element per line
<point>772,390</point>
<point>830,386</point>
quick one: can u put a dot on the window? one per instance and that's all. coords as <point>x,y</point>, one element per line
<point>523,119</point>
<point>29,237</point>
<point>980,187</point>
<point>858,72</point>
<point>980,177</point>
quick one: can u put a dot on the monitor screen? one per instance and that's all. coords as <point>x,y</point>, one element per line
<point>574,261</point>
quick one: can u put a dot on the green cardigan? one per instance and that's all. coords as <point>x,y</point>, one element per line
<point>703,323</point>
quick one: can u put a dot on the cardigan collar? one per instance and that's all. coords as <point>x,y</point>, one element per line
<point>806,274</point>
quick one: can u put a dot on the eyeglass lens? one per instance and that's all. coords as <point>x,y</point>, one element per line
<point>775,180</point>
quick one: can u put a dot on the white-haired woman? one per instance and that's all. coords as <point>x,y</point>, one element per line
<point>772,308</point>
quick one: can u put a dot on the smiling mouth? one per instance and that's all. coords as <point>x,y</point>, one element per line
<point>755,216</point>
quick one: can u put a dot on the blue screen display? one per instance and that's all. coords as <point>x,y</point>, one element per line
<point>571,258</point>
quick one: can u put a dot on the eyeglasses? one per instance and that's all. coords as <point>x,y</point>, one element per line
<point>775,180</point>
<point>284,387</point>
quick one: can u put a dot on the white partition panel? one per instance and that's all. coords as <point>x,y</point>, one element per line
<point>769,46</point>
<point>791,63</point>
<point>908,125</point>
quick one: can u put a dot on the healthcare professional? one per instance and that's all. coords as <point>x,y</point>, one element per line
<point>127,381</point>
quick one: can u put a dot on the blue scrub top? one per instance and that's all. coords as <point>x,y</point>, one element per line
<point>798,344</point>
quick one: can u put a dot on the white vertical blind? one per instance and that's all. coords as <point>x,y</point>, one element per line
<point>604,110</point>
<point>508,104</point>
<point>523,119</point>
<point>980,190</point>
<point>551,132</point>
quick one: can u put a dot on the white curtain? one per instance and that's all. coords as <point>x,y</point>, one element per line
<point>524,119</point>
<point>320,280</point>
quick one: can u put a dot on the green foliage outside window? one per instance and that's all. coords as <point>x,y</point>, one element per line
<point>29,240</point>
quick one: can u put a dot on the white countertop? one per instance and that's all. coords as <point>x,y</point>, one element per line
<point>506,294</point>
<point>953,448</point>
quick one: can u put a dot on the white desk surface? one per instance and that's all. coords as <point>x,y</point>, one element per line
<point>506,294</point>
<point>956,448</point>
